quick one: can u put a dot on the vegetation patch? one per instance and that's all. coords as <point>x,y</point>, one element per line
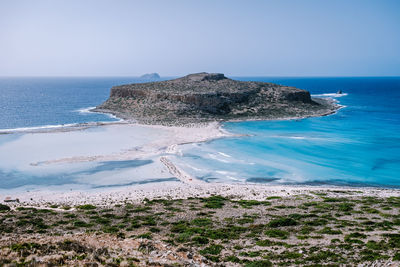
<point>304,230</point>
<point>4,208</point>
<point>212,250</point>
<point>281,222</point>
<point>214,202</point>
<point>87,207</point>
<point>277,233</point>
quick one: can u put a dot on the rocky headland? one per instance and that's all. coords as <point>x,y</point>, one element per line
<point>205,97</point>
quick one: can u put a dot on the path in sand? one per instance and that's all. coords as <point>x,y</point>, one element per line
<point>178,173</point>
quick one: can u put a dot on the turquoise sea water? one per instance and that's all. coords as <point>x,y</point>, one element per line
<point>359,145</point>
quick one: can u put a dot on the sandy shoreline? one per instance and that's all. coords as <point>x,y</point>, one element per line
<point>180,190</point>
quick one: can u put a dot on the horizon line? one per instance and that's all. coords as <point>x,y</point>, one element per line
<point>174,76</point>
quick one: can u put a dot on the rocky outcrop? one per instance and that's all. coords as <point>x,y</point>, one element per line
<point>205,97</point>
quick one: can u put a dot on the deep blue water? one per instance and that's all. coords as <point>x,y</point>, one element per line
<point>360,145</point>
<point>35,102</point>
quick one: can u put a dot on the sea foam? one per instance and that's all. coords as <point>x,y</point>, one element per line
<point>330,95</point>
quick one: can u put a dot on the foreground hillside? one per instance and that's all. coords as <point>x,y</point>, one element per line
<point>313,229</point>
<point>204,97</point>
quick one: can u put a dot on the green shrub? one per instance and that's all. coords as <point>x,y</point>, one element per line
<point>87,207</point>
<point>369,255</point>
<point>250,203</point>
<point>330,231</point>
<point>183,237</point>
<point>202,221</point>
<point>283,221</point>
<point>145,235</point>
<point>251,254</point>
<point>4,208</point>
<point>179,227</point>
<point>214,202</point>
<point>232,258</point>
<point>371,244</point>
<point>212,250</point>
<point>277,233</point>
<point>154,229</point>
<point>345,206</point>
<point>24,246</point>
<point>396,256</point>
<point>273,197</point>
<point>110,229</point>
<point>201,240</point>
<point>394,240</point>
<point>265,243</point>
<point>82,224</point>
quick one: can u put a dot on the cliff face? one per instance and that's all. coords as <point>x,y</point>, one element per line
<point>204,97</point>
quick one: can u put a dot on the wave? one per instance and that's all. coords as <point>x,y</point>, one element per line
<point>195,168</point>
<point>88,110</point>
<point>85,110</point>
<point>299,137</point>
<point>330,95</point>
<point>82,111</point>
<point>225,155</point>
<point>225,172</point>
<point>34,128</point>
<point>55,127</point>
<point>215,157</point>
<point>228,174</point>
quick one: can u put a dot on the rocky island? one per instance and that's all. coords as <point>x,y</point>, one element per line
<point>150,77</point>
<point>205,97</point>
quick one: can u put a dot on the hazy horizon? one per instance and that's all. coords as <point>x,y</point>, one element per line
<point>174,38</point>
<point>178,76</point>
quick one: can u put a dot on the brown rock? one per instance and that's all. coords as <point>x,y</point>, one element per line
<point>206,97</point>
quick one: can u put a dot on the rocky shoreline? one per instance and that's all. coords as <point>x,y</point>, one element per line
<point>205,97</point>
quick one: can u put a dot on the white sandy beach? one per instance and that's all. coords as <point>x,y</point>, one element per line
<point>71,151</point>
<point>181,190</point>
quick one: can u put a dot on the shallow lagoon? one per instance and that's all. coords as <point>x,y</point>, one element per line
<point>90,158</point>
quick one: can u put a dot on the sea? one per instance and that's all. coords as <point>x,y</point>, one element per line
<point>357,146</point>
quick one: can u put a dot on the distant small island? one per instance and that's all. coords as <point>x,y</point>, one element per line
<point>150,77</point>
<point>205,97</point>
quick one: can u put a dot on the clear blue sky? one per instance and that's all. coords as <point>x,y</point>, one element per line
<point>238,38</point>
